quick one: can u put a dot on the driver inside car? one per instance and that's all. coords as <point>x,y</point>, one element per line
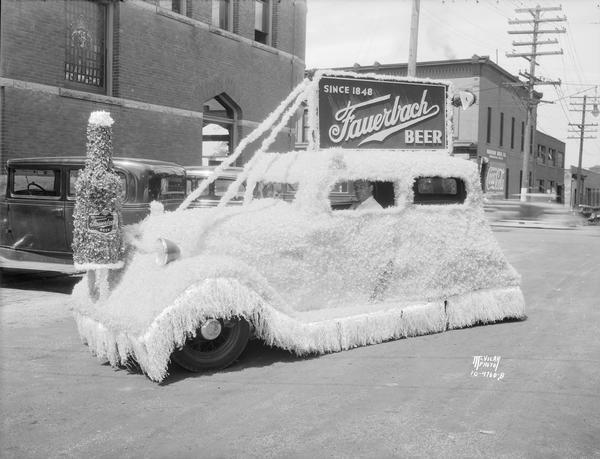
<point>364,193</point>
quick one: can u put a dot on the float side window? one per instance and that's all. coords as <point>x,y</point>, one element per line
<point>349,195</point>
<point>439,190</point>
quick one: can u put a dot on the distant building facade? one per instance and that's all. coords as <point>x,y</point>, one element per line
<point>591,187</point>
<point>184,80</point>
<point>493,130</point>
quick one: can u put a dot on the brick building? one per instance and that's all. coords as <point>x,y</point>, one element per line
<point>183,79</point>
<point>591,187</point>
<point>494,128</point>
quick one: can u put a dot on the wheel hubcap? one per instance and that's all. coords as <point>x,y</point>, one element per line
<point>211,329</point>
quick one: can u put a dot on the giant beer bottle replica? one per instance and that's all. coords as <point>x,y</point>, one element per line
<point>97,232</point>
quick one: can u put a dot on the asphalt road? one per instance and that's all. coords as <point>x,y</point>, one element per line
<point>412,397</point>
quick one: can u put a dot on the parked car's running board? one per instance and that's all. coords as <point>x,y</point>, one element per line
<point>15,259</point>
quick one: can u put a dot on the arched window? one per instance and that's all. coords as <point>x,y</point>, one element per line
<point>219,134</point>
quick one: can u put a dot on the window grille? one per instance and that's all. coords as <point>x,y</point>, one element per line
<point>86,29</point>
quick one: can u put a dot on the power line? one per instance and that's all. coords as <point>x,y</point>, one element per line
<point>581,130</point>
<point>534,21</point>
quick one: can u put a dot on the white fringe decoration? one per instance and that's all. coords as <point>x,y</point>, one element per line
<point>485,306</point>
<point>225,298</point>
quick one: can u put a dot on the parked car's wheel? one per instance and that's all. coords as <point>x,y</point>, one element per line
<point>217,344</point>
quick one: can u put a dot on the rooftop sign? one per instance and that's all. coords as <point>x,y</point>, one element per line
<point>382,114</point>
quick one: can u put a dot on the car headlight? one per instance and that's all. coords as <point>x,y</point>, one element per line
<point>166,251</point>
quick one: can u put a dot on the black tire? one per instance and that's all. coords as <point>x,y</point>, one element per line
<point>200,354</point>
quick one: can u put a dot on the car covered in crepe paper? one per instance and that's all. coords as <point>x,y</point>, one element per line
<point>304,277</point>
<point>292,267</point>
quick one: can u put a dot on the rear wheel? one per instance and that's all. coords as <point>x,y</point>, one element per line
<point>217,344</point>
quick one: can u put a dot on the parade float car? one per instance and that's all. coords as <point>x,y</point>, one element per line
<point>301,274</point>
<point>36,210</point>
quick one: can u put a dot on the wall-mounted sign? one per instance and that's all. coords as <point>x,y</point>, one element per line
<point>495,178</point>
<point>375,114</point>
<point>496,154</point>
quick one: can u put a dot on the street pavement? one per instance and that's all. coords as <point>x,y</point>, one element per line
<point>418,397</point>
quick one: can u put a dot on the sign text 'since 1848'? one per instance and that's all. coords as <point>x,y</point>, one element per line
<point>379,114</point>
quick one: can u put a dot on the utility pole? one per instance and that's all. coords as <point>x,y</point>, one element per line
<point>531,56</point>
<point>414,38</point>
<point>582,128</point>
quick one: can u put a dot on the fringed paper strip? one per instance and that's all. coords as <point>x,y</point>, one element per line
<point>225,298</point>
<point>485,306</point>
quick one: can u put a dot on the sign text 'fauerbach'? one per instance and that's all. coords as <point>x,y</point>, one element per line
<point>381,114</point>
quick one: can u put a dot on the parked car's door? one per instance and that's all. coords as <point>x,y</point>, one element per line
<point>36,208</point>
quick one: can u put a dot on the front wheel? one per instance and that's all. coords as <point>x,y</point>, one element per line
<point>217,344</point>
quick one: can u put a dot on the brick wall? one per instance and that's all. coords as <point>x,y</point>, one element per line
<point>201,10</point>
<point>158,59</point>
<point>136,133</point>
<point>33,41</point>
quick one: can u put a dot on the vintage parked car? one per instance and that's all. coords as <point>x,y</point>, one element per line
<point>36,209</point>
<point>301,275</point>
<point>215,191</point>
<point>341,197</point>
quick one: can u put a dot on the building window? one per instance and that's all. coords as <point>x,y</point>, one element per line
<point>489,125</point>
<point>512,133</point>
<point>520,180</point>
<point>541,154</point>
<point>302,127</point>
<point>531,139</point>
<point>522,135</point>
<point>560,159</point>
<point>85,47</point>
<point>501,142</point>
<point>219,129</point>
<point>261,21</point>
<point>177,6</point>
<point>222,14</point>
<point>541,186</point>
<point>552,157</point>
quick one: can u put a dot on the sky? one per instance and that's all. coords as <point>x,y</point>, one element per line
<point>341,33</point>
